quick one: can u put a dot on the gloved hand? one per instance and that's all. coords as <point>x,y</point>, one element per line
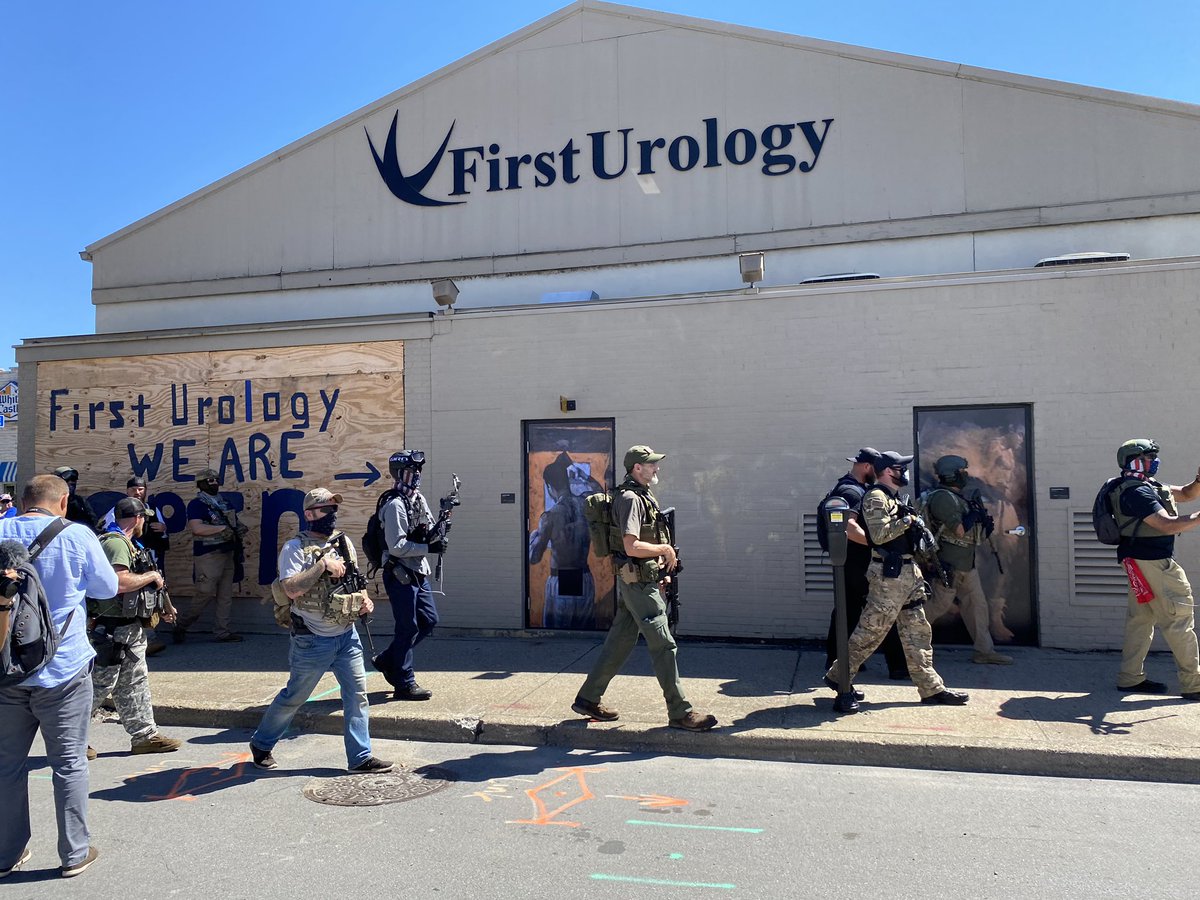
<point>419,534</point>
<point>970,519</point>
<point>439,546</point>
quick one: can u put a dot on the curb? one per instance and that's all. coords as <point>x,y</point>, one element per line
<point>779,745</point>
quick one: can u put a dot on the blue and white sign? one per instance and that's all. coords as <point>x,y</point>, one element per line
<point>8,402</point>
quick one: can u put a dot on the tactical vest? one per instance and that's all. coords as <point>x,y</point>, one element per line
<point>218,505</point>
<point>139,604</point>
<point>323,598</point>
<point>901,544</point>
<point>653,530</point>
<point>942,532</point>
<point>1123,520</point>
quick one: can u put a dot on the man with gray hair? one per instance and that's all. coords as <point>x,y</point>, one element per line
<point>57,699</point>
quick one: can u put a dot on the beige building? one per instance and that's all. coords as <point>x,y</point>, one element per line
<point>589,184</point>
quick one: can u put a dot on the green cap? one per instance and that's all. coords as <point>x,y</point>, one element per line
<point>640,453</point>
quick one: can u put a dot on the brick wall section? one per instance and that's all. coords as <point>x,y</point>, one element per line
<point>758,398</point>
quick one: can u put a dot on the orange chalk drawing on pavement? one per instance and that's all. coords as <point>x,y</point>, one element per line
<point>650,801</point>
<point>557,788</point>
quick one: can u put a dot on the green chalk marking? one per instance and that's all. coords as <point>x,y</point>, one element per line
<point>694,827</point>
<point>323,694</point>
<point>597,876</point>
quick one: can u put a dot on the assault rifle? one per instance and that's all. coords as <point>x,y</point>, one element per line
<point>353,581</point>
<point>975,501</point>
<point>925,548</point>
<point>441,528</point>
<point>671,583</point>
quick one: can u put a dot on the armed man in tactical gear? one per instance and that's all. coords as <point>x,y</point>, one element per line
<point>407,525</point>
<point>851,487</point>
<point>217,557</point>
<point>1159,593</point>
<point>897,590</point>
<point>959,526</point>
<point>648,558</point>
<point>119,628</point>
<point>78,509</point>
<point>312,601</point>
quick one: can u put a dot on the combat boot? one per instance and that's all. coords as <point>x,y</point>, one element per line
<point>991,658</point>
<point>694,721</point>
<point>948,697</point>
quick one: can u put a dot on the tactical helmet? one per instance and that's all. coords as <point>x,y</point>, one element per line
<point>405,459</point>
<point>948,467</point>
<point>1134,448</point>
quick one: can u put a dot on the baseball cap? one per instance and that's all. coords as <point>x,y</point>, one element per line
<point>866,454</point>
<point>891,459</point>
<point>127,507</point>
<point>321,497</point>
<point>136,481</point>
<point>7,497</point>
<point>208,475</point>
<point>640,453</point>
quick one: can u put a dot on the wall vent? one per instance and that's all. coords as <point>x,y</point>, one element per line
<point>1097,578</point>
<point>818,573</point>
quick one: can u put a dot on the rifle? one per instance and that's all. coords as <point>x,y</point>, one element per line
<point>925,548</point>
<point>975,502</point>
<point>671,583</point>
<point>353,581</point>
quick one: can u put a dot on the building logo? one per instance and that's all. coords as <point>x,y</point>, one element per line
<point>779,149</point>
<point>8,401</point>
<point>408,187</point>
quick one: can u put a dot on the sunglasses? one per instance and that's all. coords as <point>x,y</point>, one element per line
<point>332,507</point>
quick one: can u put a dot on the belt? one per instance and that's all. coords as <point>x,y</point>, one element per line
<point>907,557</point>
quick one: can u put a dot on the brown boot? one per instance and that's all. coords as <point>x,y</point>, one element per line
<point>597,711</point>
<point>156,743</point>
<point>694,721</point>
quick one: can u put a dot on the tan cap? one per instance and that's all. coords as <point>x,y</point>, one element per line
<point>321,497</point>
<point>208,475</point>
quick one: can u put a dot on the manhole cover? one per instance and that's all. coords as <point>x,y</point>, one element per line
<point>376,790</point>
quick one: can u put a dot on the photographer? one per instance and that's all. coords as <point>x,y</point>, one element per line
<point>119,629</point>
<point>407,526</point>
<point>312,600</point>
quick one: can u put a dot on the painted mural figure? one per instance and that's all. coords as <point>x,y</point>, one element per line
<point>217,557</point>
<point>897,590</point>
<point>570,591</point>
<point>1160,596</point>
<point>647,559</point>
<point>125,620</point>
<point>312,602</point>
<point>57,699</point>
<point>851,487</point>
<point>407,526</point>
<point>960,526</point>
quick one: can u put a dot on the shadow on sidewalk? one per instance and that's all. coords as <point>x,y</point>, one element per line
<point>1092,710</point>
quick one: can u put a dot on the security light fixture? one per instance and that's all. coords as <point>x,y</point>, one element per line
<point>445,292</point>
<point>751,265</point>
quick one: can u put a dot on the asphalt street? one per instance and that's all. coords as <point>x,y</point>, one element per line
<point>555,823</point>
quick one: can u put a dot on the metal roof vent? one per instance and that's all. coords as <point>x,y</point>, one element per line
<point>840,276</point>
<point>1076,259</point>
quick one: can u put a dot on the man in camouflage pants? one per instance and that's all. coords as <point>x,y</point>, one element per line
<point>121,665</point>
<point>897,590</point>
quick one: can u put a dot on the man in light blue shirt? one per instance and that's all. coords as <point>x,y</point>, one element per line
<point>58,699</point>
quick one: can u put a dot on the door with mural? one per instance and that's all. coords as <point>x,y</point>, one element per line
<point>997,443</point>
<point>566,585</point>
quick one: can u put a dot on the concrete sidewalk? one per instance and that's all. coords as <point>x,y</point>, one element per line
<point>1052,713</point>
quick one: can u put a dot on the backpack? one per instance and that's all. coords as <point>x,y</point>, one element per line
<point>32,640</point>
<point>597,510</point>
<point>1104,522</point>
<point>822,525</point>
<point>374,543</point>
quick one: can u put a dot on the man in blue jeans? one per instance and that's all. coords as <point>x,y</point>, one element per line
<point>312,602</point>
<point>57,699</point>
<point>407,526</point>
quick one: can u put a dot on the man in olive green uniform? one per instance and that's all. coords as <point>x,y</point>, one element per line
<point>648,557</point>
<point>897,590</point>
<point>1159,592</point>
<point>959,527</point>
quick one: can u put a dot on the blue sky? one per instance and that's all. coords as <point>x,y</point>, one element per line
<point>112,111</point>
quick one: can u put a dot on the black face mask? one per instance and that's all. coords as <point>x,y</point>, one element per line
<point>209,487</point>
<point>9,586</point>
<point>902,478</point>
<point>323,525</point>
